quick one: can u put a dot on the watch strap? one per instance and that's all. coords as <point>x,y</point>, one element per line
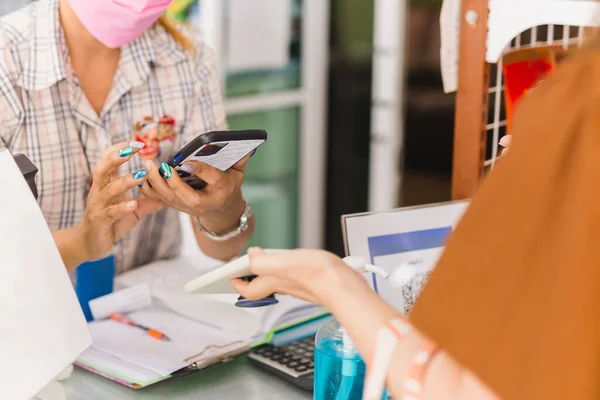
<point>244,224</point>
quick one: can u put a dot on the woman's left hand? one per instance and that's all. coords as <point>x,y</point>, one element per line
<point>219,205</point>
<point>313,275</point>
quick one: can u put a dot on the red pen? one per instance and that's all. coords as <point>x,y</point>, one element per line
<point>152,332</point>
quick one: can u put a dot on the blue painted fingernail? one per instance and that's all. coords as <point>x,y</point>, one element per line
<point>253,153</point>
<point>126,152</point>
<point>139,175</point>
<point>165,170</point>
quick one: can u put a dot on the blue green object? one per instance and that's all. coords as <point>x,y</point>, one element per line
<point>94,279</point>
<point>165,170</point>
<point>139,174</point>
<point>339,369</point>
<point>126,151</point>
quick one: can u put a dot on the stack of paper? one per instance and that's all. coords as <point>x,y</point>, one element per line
<point>167,279</point>
<point>203,328</point>
<point>134,357</point>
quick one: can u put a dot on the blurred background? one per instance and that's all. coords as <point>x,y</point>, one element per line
<point>351,95</point>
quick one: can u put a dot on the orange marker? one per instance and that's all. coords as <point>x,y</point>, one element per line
<point>152,332</point>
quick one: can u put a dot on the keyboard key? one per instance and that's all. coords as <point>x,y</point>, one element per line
<point>296,358</point>
<point>305,361</point>
<point>293,364</point>
<point>301,368</point>
<point>311,365</point>
<point>287,354</point>
<point>284,360</point>
<point>276,357</point>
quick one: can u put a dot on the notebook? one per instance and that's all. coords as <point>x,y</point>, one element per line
<point>219,329</point>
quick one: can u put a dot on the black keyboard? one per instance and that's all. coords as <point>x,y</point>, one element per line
<point>293,362</point>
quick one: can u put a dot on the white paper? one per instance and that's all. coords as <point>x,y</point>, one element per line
<point>43,329</point>
<point>508,18</point>
<point>421,261</point>
<point>167,279</point>
<point>122,301</point>
<point>258,34</point>
<point>190,341</point>
<point>131,372</point>
<point>450,39</point>
<point>399,226</point>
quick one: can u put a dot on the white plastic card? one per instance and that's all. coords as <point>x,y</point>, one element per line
<point>223,155</point>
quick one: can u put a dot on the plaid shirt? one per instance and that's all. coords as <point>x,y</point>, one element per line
<point>45,115</point>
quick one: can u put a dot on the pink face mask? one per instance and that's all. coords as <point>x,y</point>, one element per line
<point>118,22</point>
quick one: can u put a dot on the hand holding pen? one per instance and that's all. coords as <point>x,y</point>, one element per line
<point>152,332</point>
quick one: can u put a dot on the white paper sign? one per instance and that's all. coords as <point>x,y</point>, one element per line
<point>415,236</point>
<point>43,329</point>
<point>258,34</point>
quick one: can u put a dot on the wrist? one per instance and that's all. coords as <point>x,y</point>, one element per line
<point>71,246</point>
<point>225,220</point>
<point>340,283</point>
<point>79,244</point>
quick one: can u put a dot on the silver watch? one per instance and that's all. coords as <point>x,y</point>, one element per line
<point>242,227</point>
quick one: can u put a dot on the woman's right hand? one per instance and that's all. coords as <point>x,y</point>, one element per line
<point>110,214</point>
<point>313,275</point>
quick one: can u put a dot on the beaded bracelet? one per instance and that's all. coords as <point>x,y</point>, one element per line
<point>388,338</point>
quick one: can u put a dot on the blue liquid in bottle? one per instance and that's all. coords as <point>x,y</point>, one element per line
<point>339,369</point>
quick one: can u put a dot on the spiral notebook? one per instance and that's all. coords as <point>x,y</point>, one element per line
<point>204,330</point>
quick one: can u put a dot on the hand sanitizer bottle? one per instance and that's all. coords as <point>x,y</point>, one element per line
<point>339,369</point>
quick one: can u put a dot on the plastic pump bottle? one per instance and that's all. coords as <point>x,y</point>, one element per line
<point>339,369</point>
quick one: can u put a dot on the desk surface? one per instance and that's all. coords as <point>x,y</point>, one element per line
<point>234,380</point>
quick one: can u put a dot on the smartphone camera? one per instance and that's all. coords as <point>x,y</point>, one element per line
<point>210,149</point>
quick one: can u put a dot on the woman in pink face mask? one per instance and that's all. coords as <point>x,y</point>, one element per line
<point>77,78</point>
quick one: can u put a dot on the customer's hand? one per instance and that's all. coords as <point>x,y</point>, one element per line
<point>505,142</point>
<point>109,213</point>
<point>218,206</point>
<point>313,275</point>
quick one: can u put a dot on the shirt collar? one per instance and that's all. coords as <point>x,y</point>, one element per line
<point>45,64</point>
<point>48,54</point>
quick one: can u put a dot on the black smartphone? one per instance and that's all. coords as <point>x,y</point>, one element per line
<point>220,149</point>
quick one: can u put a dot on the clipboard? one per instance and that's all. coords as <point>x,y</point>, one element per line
<point>413,235</point>
<point>189,370</point>
<point>132,358</point>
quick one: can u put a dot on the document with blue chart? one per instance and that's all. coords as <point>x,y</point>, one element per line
<point>410,237</point>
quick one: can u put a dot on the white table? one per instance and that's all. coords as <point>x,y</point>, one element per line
<point>234,380</point>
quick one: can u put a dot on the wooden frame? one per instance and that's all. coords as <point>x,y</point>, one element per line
<point>480,85</point>
<point>471,100</point>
